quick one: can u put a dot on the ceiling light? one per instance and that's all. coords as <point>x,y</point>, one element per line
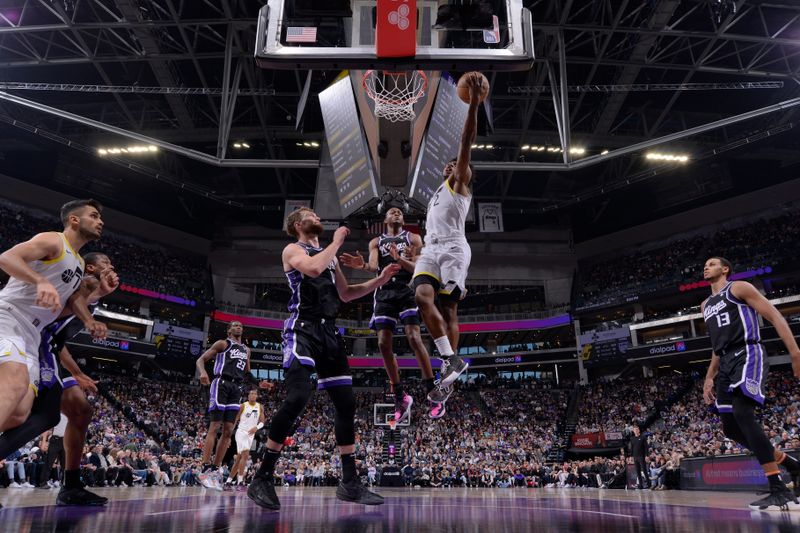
<point>307,144</point>
<point>604,152</point>
<point>237,145</point>
<point>298,144</point>
<point>658,156</point>
<point>526,147</point>
<point>489,146</point>
<point>315,144</point>
<point>474,146</point>
<point>577,150</point>
<point>245,145</point>
<point>133,149</point>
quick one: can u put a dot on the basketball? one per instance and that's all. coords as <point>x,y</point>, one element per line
<point>463,87</point>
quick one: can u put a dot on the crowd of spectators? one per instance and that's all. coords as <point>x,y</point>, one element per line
<point>759,243</point>
<point>142,265</point>
<point>613,405</point>
<point>151,432</point>
<point>693,429</point>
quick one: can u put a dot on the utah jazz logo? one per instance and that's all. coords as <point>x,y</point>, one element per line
<point>68,275</point>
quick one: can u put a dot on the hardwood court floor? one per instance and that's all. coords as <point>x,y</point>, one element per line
<point>161,510</point>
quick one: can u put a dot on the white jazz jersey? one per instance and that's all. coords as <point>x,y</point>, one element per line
<point>447,214</point>
<point>249,418</point>
<point>64,272</point>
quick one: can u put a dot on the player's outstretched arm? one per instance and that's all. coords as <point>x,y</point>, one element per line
<point>238,415</point>
<point>217,347</point>
<point>14,262</point>
<point>749,294</point>
<point>356,261</point>
<point>294,257</point>
<point>408,259</point>
<point>462,173</point>
<point>84,381</point>
<point>78,304</point>
<point>349,292</point>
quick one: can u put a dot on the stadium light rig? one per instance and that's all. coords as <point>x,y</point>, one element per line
<point>241,145</point>
<point>675,158</point>
<point>134,150</point>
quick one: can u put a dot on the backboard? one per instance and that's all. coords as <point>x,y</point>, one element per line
<point>489,35</point>
<point>383,414</point>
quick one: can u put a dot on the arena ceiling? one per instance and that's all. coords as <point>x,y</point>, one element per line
<point>633,71</point>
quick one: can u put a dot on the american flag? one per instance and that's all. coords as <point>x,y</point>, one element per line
<point>301,34</point>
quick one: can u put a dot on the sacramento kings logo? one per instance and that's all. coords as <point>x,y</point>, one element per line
<point>67,275</point>
<point>752,386</point>
<point>47,374</point>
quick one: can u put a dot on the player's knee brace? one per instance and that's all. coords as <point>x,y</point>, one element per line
<point>758,443</point>
<point>344,421</point>
<point>732,430</point>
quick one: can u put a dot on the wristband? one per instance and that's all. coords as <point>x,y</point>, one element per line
<point>260,425</point>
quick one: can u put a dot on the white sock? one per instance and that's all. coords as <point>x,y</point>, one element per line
<point>229,480</point>
<point>241,479</point>
<point>443,345</point>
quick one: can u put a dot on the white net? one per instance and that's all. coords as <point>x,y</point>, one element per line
<point>395,93</point>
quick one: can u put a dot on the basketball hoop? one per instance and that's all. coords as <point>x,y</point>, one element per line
<point>395,93</point>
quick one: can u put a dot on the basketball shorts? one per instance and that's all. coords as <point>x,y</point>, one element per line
<point>744,368</point>
<point>392,305</point>
<point>244,441</point>
<point>317,345</point>
<point>19,344</point>
<point>224,400</point>
<point>444,265</point>
<point>49,374</point>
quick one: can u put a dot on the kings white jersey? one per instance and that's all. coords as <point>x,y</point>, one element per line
<point>64,272</point>
<point>447,215</point>
<point>250,416</point>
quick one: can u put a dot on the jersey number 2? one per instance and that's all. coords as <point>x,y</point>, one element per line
<point>723,319</point>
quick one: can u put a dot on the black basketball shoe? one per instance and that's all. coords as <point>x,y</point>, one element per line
<point>262,492</point>
<point>452,367</point>
<point>778,499</point>
<point>79,496</point>
<point>354,491</point>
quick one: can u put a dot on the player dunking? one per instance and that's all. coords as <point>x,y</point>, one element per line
<point>311,343</point>
<point>444,261</point>
<point>739,363</point>
<point>394,302</point>
<point>231,369</point>
<point>45,271</point>
<point>250,419</point>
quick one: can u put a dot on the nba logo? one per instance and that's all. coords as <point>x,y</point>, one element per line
<point>680,346</point>
<point>123,345</point>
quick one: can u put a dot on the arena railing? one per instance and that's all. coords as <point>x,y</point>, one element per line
<point>494,317</point>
